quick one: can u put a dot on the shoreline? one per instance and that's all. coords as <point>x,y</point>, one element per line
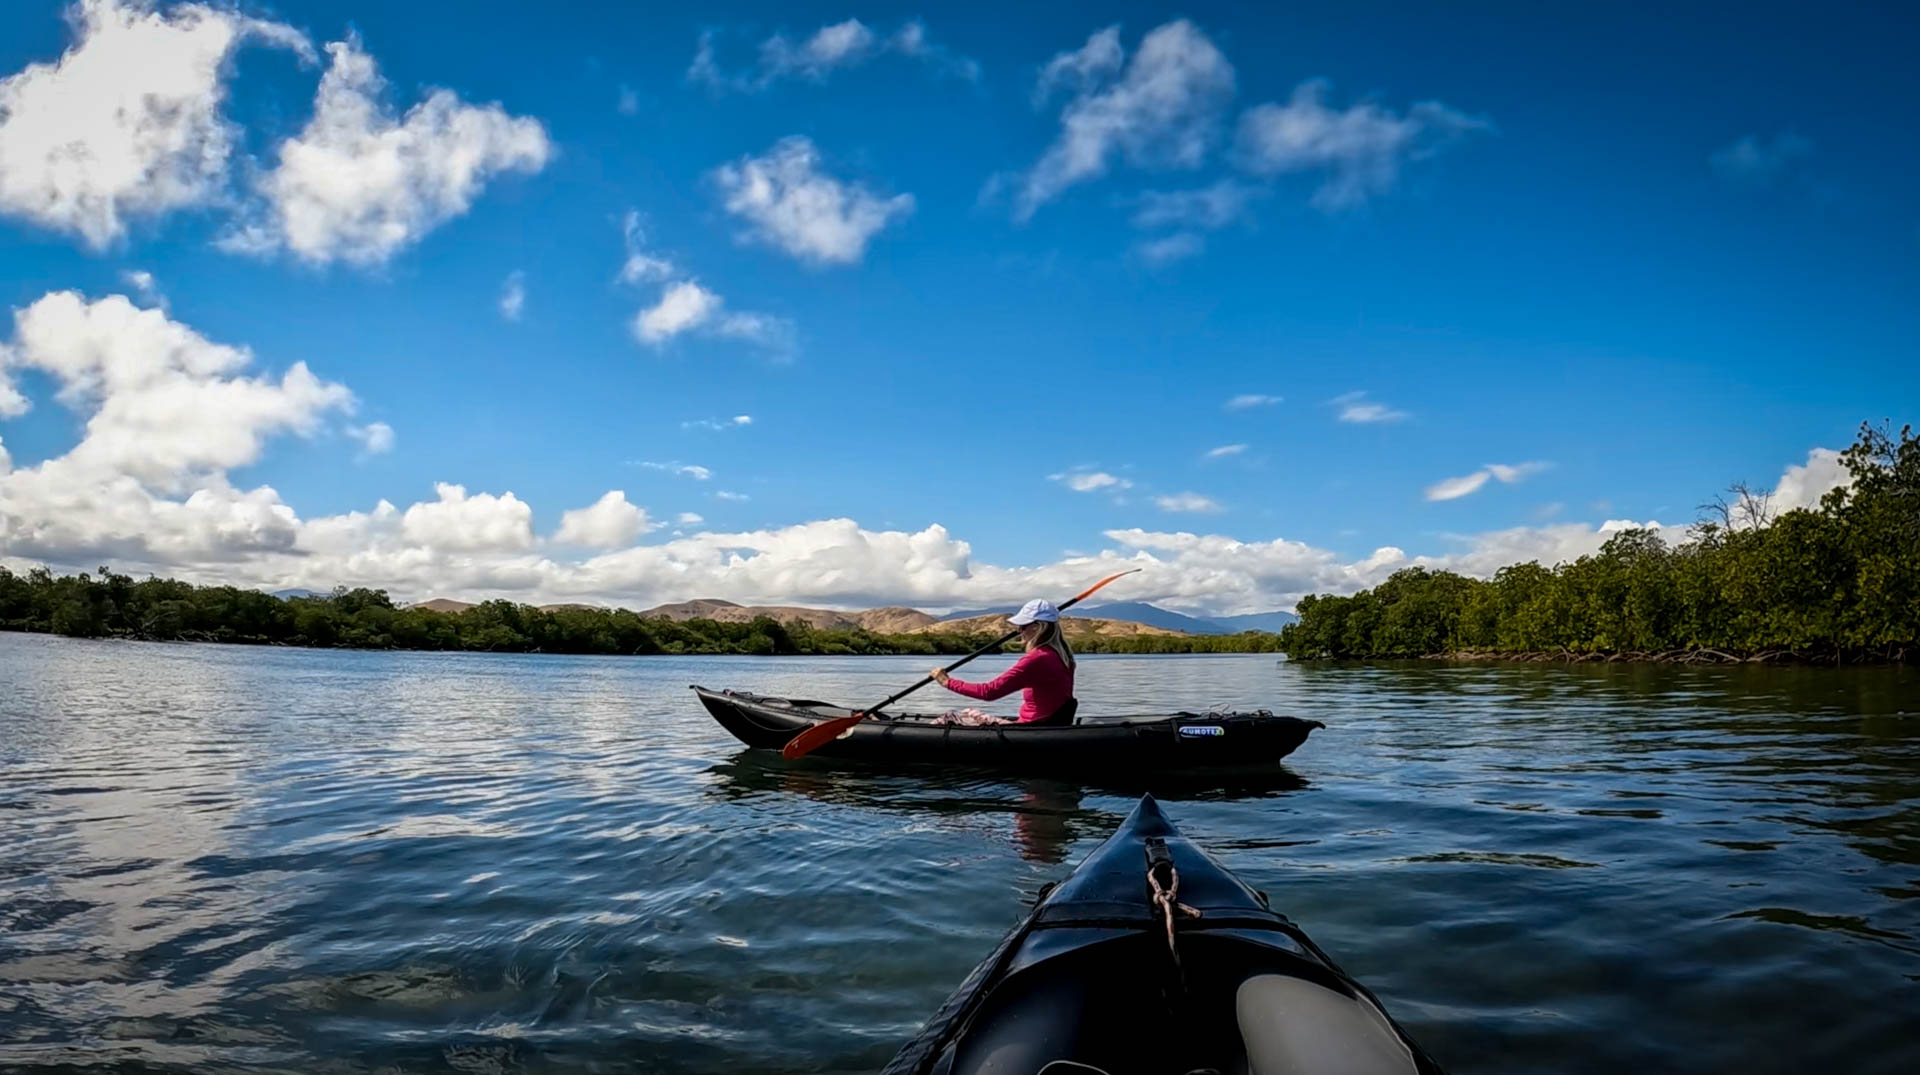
<point>1699,655</point>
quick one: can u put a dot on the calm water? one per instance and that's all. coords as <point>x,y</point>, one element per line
<point>218,858</point>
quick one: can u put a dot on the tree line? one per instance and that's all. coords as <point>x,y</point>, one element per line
<point>111,605</point>
<point>1836,583</point>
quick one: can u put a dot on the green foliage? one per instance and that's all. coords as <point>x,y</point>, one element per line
<point>1840,582</point>
<point>111,605</point>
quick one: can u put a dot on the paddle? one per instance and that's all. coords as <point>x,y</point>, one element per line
<point>827,731</point>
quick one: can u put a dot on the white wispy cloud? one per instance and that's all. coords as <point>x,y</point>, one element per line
<point>1250,400</point>
<point>144,286</point>
<point>126,125</point>
<point>1357,408</point>
<point>793,204</point>
<point>1089,481</point>
<point>1162,109</point>
<point>1361,148</point>
<point>690,518</point>
<point>1760,161</point>
<point>628,103</point>
<point>717,424</point>
<point>727,494</point>
<point>376,438</point>
<point>1468,484</point>
<point>1226,450</point>
<point>1188,502</point>
<point>360,183</point>
<point>1211,207</point>
<point>642,264</point>
<point>1167,249</point>
<point>833,47</point>
<point>687,306</point>
<point>513,295</point>
<point>685,470</point>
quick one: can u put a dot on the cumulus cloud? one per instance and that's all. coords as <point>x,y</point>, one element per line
<point>1250,400</point>
<point>833,47</point>
<point>144,286</point>
<point>1089,481</point>
<point>1361,149</point>
<point>1355,407</point>
<point>1468,484</point>
<point>359,184</point>
<point>127,123</point>
<point>457,522</point>
<point>689,518</point>
<point>1802,485</point>
<point>376,438</point>
<point>1162,110</point>
<point>167,414</point>
<point>608,523</point>
<point>686,306</point>
<point>1760,161</point>
<point>513,295</point>
<point>1188,502</point>
<point>791,203</point>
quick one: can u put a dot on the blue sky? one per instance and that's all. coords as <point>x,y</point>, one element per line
<point>1574,266</point>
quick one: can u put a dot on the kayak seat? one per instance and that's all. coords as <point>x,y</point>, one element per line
<point>1059,718</point>
<point>1292,1026</point>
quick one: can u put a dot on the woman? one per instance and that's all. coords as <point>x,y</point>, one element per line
<point>1044,674</point>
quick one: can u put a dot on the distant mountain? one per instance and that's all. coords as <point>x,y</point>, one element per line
<point>1078,626</point>
<point>1256,621</point>
<point>884,620</point>
<point>288,595</point>
<point>443,604</point>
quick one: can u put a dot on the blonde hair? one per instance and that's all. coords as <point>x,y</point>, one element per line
<point>1055,639</point>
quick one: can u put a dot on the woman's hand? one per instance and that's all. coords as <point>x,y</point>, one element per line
<point>939,676</point>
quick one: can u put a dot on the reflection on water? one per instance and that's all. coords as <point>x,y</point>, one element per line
<point>216,858</point>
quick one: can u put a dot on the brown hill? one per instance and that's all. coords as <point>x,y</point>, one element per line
<point>443,604</point>
<point>728,612</point>
<point>1077,627</point>
<point>894,620</point>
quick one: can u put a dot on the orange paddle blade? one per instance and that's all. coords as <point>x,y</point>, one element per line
<point>819,735</point>
<point>1083,594</point>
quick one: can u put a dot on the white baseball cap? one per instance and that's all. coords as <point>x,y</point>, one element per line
<point>1042,611</point>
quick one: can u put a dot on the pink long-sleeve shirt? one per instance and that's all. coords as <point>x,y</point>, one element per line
<point>1044,678</point>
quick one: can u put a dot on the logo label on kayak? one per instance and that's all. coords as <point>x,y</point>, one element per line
<point>1201,731</point>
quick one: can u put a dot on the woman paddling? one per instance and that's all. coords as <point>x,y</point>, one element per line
<point>1044,674</point>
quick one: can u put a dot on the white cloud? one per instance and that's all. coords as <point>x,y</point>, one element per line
<point>1162,111</point>
<point>513,295</point>
<point>717,424</point>
<point>833,47</point>
<point>1357,408</point>
<point>1081,69</point>
<point>144,286</point>
<point>1188,502</point>
<point>609,523</point>
<point>1752,160</point>
<point>359,184</point>
<point>689,518</point>
<point>457,522</point>
<point>126,124</point>
<point>1210,207</point>
<point>641,266</point>
<point>1226,450</point>
<point>683,307</point>
<point>725,494</point>
<point>684,470</point>
<point>1455,488</point>
<point>1802,485</point>
<point>1170,248</point>
<point>794,205</point>
<point>1088,481</point>
<point>376,438</point>
<point>1251,400</point>
<point>1361,148</point>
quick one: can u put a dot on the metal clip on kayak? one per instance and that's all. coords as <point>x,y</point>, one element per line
<point>1163,884</point>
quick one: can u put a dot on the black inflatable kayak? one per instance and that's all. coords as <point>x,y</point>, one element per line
<point>1090,983</point>
<point>1162,741</point>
